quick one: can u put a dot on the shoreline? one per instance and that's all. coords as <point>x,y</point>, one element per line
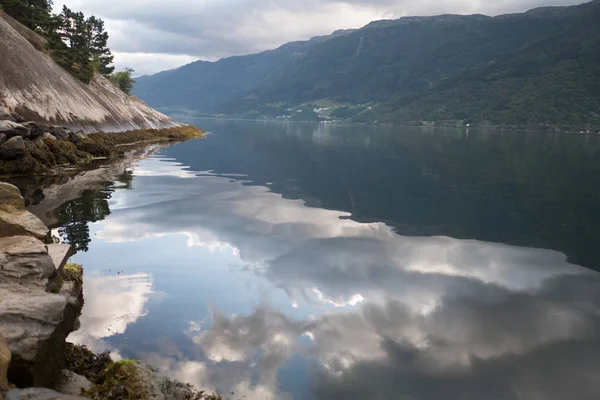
<point>51,366</point>
<point>48,155</point>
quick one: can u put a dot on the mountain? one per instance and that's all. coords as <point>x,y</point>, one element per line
<point>35,88</point>
<point>538,69</point>
<point>205,85</point>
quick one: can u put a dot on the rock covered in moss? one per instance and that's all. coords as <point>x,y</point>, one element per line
<point>134,380</point>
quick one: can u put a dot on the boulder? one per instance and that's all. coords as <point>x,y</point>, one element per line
<point>14,222</point>
<point>5,357</point>
<point>48,136</point>
<point>34,322</point>
<point>10,196</point>
<point>11,129</point>
<point>72,384</point>
<point>3,138</point>
<point>14,218</point>
<point>39,394</point>
<point>25,261</point>
<point>13,149</point>
<point>35,130</point>
<point>60,133</point>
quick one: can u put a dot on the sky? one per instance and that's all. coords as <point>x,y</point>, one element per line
<point>155,35</point>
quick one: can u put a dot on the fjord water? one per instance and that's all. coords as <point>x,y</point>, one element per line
<point>279,260</point>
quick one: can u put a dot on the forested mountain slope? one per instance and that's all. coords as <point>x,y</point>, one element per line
<point>538,69</point>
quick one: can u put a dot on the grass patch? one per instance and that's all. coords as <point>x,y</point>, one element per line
<point>73,273</point>
<point>46,154</point>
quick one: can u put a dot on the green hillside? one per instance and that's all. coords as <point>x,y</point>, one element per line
<point>539,69</point>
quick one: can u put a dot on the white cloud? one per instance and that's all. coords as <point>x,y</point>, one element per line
<point>212,29</point>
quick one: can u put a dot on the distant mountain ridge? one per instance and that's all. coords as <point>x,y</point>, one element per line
<point>538,69</point>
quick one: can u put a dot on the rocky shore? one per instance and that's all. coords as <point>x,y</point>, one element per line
<point>41,298</point>
<point>30,148</point>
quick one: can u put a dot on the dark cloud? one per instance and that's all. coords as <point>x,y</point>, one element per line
<point>211,29</point>
<point>538,345</point>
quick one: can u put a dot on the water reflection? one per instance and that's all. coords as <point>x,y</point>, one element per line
<point>234,286</point>
<point>111,304</point>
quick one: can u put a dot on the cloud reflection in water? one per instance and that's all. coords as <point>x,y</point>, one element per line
<point>402,317</point>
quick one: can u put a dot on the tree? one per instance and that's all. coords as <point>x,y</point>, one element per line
<point>76,43</point>
<point>96,41</point>
<point>123,80</point>
<point>34,14</point>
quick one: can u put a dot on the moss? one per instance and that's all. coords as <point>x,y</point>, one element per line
<point>129,380</point>
<point>82,361</point>
<point>73,273</point>
<point>47,154</point>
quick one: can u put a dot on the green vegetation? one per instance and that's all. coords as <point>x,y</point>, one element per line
<point>34,14</point>
<point>47,154</point>
<point>124,380</point>
<point>76,43</point>
<point>123,80</point>
<point>538,70</point>
<point>73,273</point>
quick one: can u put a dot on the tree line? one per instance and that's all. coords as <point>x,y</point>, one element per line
<point>76,42</point>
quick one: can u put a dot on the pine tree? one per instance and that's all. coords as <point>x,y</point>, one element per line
<point>34,14</point>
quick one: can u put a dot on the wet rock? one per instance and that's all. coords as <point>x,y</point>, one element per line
<point>60,133</point>
<point>39,394</point>
<point>49,136</point>
<point>15,220</point>
<point>35,130</point>
<point>5,357</point>
<point>11,129</point>
<point>72,384</point>
<point>13,149</point>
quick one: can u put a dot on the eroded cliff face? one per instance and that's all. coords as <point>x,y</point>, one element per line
<point>34,88</point>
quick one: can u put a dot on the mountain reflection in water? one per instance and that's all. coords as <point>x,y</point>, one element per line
<point>230,286</point>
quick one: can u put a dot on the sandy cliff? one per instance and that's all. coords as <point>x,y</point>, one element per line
<point>34,88</point>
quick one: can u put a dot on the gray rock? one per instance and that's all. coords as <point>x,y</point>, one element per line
<point>26,262</point>
<point>3,138</point>
<point>49,136</point>
<point>11,129</point>
<point>14,218</point>
<point>72,384</point>
<point>39,394</point>
<point>35,130</point>
<point>13,149</point>
<point>60,133</point>
<point>34,322</point>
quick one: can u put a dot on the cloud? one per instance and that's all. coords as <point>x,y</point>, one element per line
<point>418,317</point>
<point>517,345</point>
<point>212,29</point>
<point>111,304</point>
<point>318,256</point>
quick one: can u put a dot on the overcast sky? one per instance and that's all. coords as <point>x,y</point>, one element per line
<point>154,35</point>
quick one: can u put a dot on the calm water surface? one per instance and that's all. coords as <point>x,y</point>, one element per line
<point>299,261</point>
